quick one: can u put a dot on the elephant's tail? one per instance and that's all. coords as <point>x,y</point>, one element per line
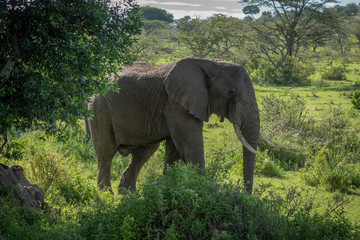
<point>87,125</point>
<point>88,132</point>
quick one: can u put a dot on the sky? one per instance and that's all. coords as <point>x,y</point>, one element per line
<point>206,8</point>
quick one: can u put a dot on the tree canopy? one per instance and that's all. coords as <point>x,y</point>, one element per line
<point>154,13</point>
<point>55,54</point>
<point>294,24</point>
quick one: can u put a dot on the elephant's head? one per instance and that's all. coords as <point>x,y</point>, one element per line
<point>204,87</point>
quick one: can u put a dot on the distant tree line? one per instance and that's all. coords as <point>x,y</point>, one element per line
<point>276,47</point>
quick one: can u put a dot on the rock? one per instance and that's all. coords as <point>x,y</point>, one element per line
<point>12,180</point>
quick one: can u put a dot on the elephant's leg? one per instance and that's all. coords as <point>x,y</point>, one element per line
<point>172,155</point>
<point>139,157</point>
<point>186,132</point>
<point>105,149</point>
<point>104,169</point>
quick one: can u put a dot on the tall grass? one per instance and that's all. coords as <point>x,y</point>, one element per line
<point>180,205</point>
<point>329,147</point>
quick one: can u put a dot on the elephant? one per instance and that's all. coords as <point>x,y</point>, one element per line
<point>170,102</point>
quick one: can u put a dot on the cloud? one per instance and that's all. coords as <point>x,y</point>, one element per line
<point>180,4</point>
<point>203,8</point>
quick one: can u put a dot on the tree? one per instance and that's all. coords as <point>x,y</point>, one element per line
<point>194,33</point>
<point>153,13</point>
<point>354,28</point>
<point>216,37</point>
<point>351,9</point>
<point>55,54</point>
<point>154,41</point>
<point>293,25</point>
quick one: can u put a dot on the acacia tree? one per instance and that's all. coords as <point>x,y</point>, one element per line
<point>154,13</point>
<point>196,35</point>
<point>217,36</point>
<point>294,24</point>
<point>55,54</point>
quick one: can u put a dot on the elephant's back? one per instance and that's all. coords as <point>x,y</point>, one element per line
<point>142,70</point>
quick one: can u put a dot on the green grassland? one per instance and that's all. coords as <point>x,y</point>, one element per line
<point>65,166</point>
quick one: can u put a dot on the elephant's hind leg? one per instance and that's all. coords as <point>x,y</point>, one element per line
<point>105,149</point>
<point>172,155</point>
<point>104,170</point>
<point>139,157</point>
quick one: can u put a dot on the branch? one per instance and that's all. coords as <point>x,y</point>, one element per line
<point>10,63</point>
<point>4,143</point>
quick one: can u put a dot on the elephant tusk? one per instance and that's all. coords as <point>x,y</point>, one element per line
<point>266,142</point>
<point>243,140</point>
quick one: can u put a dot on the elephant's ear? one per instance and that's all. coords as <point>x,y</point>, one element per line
<point>187,84</point>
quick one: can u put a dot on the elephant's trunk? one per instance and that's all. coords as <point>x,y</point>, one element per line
<point>250,143</point>
<point>249,161</point>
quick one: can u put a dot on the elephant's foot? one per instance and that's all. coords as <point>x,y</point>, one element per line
<point>126,185</point>
<point>123,187</point>
<point>105,188</point>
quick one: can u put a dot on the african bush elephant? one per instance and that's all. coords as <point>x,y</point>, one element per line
<point>170,102</point>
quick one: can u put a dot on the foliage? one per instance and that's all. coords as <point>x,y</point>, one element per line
<point>330,169</point>
<point>317,150</point>
<point>153,42</point>
<point>354,28</point>
<point>356,100</point>
<point>153,13</point>
<point>284,114</point>
<point>294,25</point>
<point>186,205</point>
<point>264,72</point>
<point>216,37</point>
<point>335,73</point>
<point>331,144</point>
<point>52,57</point>
<point>266,167</point>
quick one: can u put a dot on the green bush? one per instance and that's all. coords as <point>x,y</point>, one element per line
<point>356,100</point>
<point>328,146</point>
<point>285,115</point>
<point>329,169</point>
<point>292,72</point>
<point>186,205</point>
<point>265,166</point>
<point>285,156</point>
<point>334,73</point>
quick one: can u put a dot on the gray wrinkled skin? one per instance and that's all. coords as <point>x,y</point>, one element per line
<point>170,102</point>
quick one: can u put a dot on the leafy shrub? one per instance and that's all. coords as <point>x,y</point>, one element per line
<point>284,115</point>
<point>328,169</point>
<point>265,166</point>
<point>295,72</point>
<point>320,83</point>
<point>15,149</point>
<point>285,156</point>
<point>356,100</point>
<point>328,146</point>
<point>46,167</point>
<point>334,73</point>
<point>18,222</point>
<point>187,205</point>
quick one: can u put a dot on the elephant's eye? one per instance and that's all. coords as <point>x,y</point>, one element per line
<point>231,93</point>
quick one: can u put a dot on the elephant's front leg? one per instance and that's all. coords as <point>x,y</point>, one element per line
<point>139,157</point>
<point>186,133</point>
